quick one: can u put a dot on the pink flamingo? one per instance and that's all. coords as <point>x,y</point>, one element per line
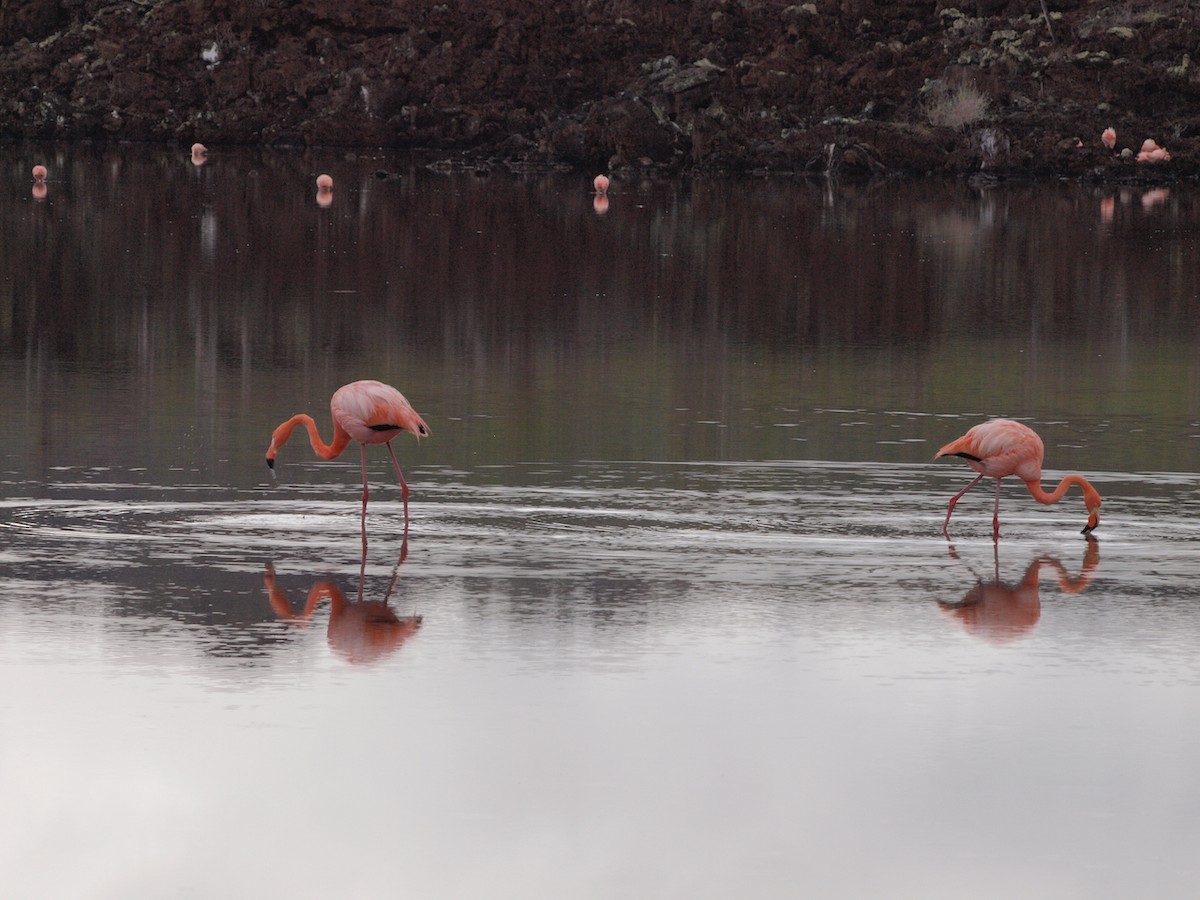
<point>1001,447</point>
<point>39,173</point>
<point>1109,137</point>
<point>324,191</point>
<point>365,411</point>
<point>600,183</point>
<point>1151,152</point>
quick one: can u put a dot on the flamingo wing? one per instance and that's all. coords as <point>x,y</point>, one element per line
<point>998,448</point>
<point>373,412</point>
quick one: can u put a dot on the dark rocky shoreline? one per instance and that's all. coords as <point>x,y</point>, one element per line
<point>854,88</point>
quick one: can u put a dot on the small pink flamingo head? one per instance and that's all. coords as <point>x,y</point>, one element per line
<point>1109,137</point>
<point>199,150</point>
<point>600,183</point>
<point>1091,499</point>
<point>324,183</point>
<point>39,173</point>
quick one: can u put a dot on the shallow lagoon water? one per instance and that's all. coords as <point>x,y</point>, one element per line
<point>688,625</point>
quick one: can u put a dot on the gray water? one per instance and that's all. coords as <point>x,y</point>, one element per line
<point>674,615</point>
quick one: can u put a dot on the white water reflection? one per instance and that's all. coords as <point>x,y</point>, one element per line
<point>592,717</point>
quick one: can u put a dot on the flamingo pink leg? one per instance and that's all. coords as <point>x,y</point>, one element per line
<point>403,483</point>
<point>366,492</point>
<point>996,515</point>
<point>954,500</point>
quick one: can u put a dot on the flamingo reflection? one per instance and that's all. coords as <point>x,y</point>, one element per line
<point>360,631</point>
<point>999,612</point>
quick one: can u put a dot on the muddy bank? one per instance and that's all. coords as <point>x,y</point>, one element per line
<point>857,88</point>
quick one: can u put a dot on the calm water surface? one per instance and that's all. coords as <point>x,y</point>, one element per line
<point>674,616</point>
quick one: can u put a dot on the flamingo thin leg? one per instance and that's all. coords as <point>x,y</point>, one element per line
<point>362,570</point>
<point>996,514</point>
<point>403,483</point>
<point>366,492</point>
<point>953,502</point>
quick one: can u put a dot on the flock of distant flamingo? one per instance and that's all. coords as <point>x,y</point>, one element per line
<point>199,158</point>
<point>371,412</point>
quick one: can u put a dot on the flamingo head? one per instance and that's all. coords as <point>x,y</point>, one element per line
<point>1091,499</point>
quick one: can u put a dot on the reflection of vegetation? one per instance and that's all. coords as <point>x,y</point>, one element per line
<point>213,300</point>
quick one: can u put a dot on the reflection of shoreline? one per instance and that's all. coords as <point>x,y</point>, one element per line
<point>360,631</point>
<point>999,612</point>
<point>952,240</point>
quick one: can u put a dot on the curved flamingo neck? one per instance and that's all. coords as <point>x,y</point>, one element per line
<point>320,590</point>
<point>1035,489</point>
<point>326,451</point>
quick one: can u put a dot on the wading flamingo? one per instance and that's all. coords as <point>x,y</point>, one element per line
<point>1001,447</point>
<point>365,411</point>
<point>324,191</point>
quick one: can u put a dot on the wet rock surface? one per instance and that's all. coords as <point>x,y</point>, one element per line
<point>855,88</point>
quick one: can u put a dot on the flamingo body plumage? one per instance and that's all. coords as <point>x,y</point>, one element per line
<point>1000,448</point>
<point>369,412</point>
<point>372,412</point>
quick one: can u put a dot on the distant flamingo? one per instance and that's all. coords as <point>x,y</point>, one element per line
<point>600,183</point>
<point>1001,447</point>
<point>1153,153</point>
<point>39,173</point>
<point>324,191</point>
<point>365,411</point>
<point>1109,137</point>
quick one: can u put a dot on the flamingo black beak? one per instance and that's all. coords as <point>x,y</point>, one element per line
<point>270,463</point>
<point>1093,521</point>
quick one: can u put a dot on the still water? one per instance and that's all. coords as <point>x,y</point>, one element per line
<point>673,617</point>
